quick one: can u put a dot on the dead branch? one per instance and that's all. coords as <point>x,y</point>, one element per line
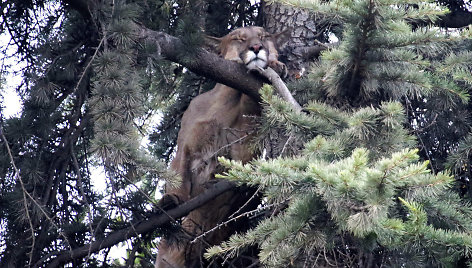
<point>311,52</point>
<point>204,63</point>
<point>280,86</point>
<point>142,227</point>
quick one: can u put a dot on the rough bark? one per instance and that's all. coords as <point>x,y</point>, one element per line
<point>305,27</point>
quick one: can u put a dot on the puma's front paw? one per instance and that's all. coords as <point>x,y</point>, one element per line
<point>279,68</point>
<point>168,201</point>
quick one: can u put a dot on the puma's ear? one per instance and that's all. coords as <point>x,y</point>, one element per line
<point>213,43</point>
<point>281,38</point>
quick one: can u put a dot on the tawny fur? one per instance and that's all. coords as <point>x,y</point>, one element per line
<point>220,122</point>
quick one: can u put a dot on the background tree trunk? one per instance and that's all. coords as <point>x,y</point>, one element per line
<point>305,27</point>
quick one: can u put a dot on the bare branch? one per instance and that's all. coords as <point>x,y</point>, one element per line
<point>25,194</point>
<point>204,63</point>
<point>142,227</point>
<point>311,52</point>
<point>280,86</point>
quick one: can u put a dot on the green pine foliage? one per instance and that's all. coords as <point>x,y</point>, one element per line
<point>119,103</point>
<point>459,160</point>
<point>379,130</point>
<point>117,91</point>
<point>459,66</point>
<point>384,52</point>
<point>356,193</point>
<point>332,189</point>
<point>49,191</point>
<point>342,182</point>
<point>83,92</point>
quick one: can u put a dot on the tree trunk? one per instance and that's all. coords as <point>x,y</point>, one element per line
<point>305,28</point>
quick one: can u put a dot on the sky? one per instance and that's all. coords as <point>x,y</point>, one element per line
<point>12,105</point>
<point>10,99</point>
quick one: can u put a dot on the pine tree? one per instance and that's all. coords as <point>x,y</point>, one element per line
<point>91,88</point>
<point>48,201</point>
<point>342,181</point>
<point>357,194</point>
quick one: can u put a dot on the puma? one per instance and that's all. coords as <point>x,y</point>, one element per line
<point>220,122</point>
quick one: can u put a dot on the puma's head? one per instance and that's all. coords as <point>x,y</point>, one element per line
<point>252,46</point>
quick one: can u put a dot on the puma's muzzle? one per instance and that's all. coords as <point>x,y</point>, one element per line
<point>254,60</point>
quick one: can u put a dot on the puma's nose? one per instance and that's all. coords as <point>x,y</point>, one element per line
<point>255,47</point>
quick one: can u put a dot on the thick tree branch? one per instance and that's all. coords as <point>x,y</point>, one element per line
<point>311,52</point>
<point>280,86</point>
<point>201,61</point>
<point>205,63</point>
<point>81,6</point>
<point>456,19</point>
<point>220,70</point>
<point>142,227</point>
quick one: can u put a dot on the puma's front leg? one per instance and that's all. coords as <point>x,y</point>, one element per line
<point>278,67</point>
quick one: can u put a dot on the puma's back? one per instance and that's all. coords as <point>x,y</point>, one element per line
<point>220,122</point>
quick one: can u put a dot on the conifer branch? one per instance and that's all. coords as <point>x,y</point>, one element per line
<point>82,191</point>
<point>25,193</point>
<point>220,70</point>
<point>89,63</point>
<point>232,219</point>
<point>26,196</point>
